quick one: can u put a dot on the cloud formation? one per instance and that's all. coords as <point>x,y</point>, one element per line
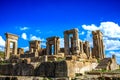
<point>43,41</point>
<point>24,36</point>
<point>24,28</point>
<point>61,42</point>
<point>2,43</point>
<point>111,36</point>
<point>32,37</point>
<point>26,48</point>
<point>38,31</point>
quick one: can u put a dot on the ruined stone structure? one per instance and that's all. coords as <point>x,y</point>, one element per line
<point>108,64</point>
<point>53,61</point>
<point>10,38</point>
<point>20,51</point>
<point>98,46</point>
<point>81,46</point>
<point>34,46</point>
<point>86,48</point>
<point>74,40</point>
<point>53,45</point>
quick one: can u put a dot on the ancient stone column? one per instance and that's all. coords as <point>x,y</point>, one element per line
<point>15,49</point>
<point>36,53</point>
<point>48,48</point>
<point>98,46</point>
<point>58,45</point>
<point>72,48</point>
<point>66,43</point>
<point>75,42</point>
<point>81,46</point>
<point>7,53</point>
<point>31,50</point>
<point>55,46</point>
<point>86,48</point>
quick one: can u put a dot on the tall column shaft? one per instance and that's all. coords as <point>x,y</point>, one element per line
<point>16,45</point>
<point>7,49</point>
<point>75,43</point>
<point>66,44</point>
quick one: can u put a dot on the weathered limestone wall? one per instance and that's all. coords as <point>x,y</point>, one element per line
<point>52,69</point>
<point>6,69</point>
<point>31,78</point>
<point>20,69</point>
<point>79,67</point>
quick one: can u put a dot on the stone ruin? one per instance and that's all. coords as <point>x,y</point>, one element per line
<point>75,58</point>
<point>98,46</point>
<point>53,45</point>
<point>11,38</point>
<point>34,46</point>
<point>73,40</point>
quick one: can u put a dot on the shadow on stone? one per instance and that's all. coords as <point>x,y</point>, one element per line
<point>51,69</point>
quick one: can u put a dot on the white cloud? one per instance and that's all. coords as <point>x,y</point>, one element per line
<point>112,44</point>
<point>90,27</point>
<point>115,53</point>
<point>82,33</point>
<point>36,38</point>
<point>24,36</point>
<point>110,29</point>
<point>38,31</point>
<point>43,41</point>
<point>24,28</point>
<point>111,33</point>
<point>2,43</point>
<point>43,44</point>
<point>26,48</point>
<point>111,37</point>
<point>2,48</point>
<point>61,42</point>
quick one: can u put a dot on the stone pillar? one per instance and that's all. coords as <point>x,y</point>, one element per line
<point>81,46</point>
<point>15,49</point>
<point>58,45</point>
<point>31,50</point>
<point>75,42</point>
<point>48,48</point>
<point>36,53</point>
<point>7,53</point>
<point>98,46</point>
<point>72,48</point>
<point>86,48</point>
<point>66,44</point>
<point>55,46</point>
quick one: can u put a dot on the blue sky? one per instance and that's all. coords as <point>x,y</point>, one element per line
<point>39,19</point>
